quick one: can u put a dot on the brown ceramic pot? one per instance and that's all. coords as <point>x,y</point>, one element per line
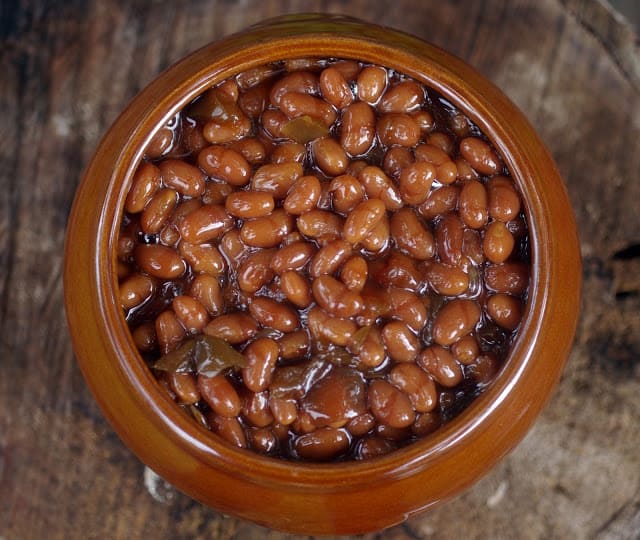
<point>338,498</point>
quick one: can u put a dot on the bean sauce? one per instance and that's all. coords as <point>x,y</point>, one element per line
<point>323,260</point>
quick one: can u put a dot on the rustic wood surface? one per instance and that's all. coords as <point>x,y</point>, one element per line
<point>68,67</point>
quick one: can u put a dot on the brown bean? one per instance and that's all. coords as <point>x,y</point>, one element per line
<point>472,252</point>
<point>145,183</point>
<point>426,423</point>
<point>293,256</point>
<point>158,210</point>
<point>214,193</point>
<point>446,280</point>
<point>454,320</point>
<point>362,220</point>
<point>273,122</point>
<point>440,201</point>
<point>261,356</point>
<point>298,81</point>
<point>446,170</point>
<point>234,328</point>
<point>441,365</point>
<point>442,141</point>
<point>255,408</point>
<point>169,331</point>
<point>414,382</point>
<point>295,104</point>
<point>480,155</point>
<point>251,149</point>
<point>220,395</point>
<point>223,132</point>
<point>396,159</point>
<point>159,261</point>
<point>334,88</point>
<point>323,444</point>
<point>466,349</point>
<point>408,307</point>
<point>473,204</point>
<point>484,368</point>
<point>255,271</point>
<point>415,182</point>
<point>449,237</point>
<point>273,314</point>
<point>135,290</point>
<point>206,290</point>
<point>233,248</point>
<point>285,411</point>
<point>191,313</point>
<point>160,143</point>
<point>183,177</point>
<point>505,310</point>
<point>254,100</point>
<point>346,193</point>
<point>372,81</point>
<point>144,336</point>
<point>371,352</point>
<point>209,222</point>
<point>379,186</point>
<point>276,178</point>
<point>404,97</point>
<point>424,119</point>
<point>399,270</point>
<point>361,425</point>
<point>389,405</point>
<point>267,231</point>
<point>411,235</point>
<point>334,297</point>
<point>326,329</point>
<point>262,440</point>
<point>376,304</point>
<point>320,225</point>
<point>303,195</point>
<point>230,429</point>
<point>329,258</point>
<point>349,69</point>
<point>185,387</point>
<point>373,446</point>
<point>203,258</point>
<point>498,242</point>
<point>508,278</point>
<point>249,204</point>
<point>294,345</point>
<point>358,128</point>
<point>354,273</point>
<point>289,152</point>
<point>401,343</point>
<point>329,156</point>
<point>225,164</point>
<point>465,171</point>
<point>398,128</point>
<point>504,201</point>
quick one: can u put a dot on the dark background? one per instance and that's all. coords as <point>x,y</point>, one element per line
<point>68,68</point>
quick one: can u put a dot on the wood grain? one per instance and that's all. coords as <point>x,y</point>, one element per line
<point>68,68</point>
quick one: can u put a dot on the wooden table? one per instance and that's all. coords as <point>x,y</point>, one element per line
<point>68,68</point>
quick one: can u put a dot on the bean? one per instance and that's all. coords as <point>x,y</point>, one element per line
<point>329,258</point>
<point>203,258</point>
<point>285,411</point>
<point>303,195</point>
<point>225,164</point>
<point>220,395</point>
<point>424,119</point>
<point>396,159</point>
<point>480,155</point>
<point>322,445</point>
<point>484,368</point>
<point>465,171</point>
<point>273,122</point>
<point>415,182</point>
<point>361,425</point>
<point>440,201</point>
<point>293,256</point>
<point>169,331</point>
<point>224,132</point>
<point>378,239</point>
<point>349,69</point>
<point>262,440</point>
<point>399,270</point>
<point>233,248</point>
<point>289,152</point>
<point>184,178</point>
<point>414,382</point>
<point>363,219</point>
<point>158,210</point>
<point>249,204</point>
<point>294,345</point>
<point>255,271</point>
<point>508,277</point>
<point>206,290</point>
<point>160,143</point>
<point>230,429</point>
<point>255,408</point>
<point>334,88</point>
<point>442,141</point>
<point>372,81</point>
<point>403,97</point>
<point>254,100</point>
<point>473,204</point>
<point>234,328</point>
<point>449,237</point>
<point>272,314</point>
<point>466,349</point>
<point>299,81</point>
<point>209,222</point>
<point>447,280</point>
<point>251,149</point>
<point>407,307</point>
<point>144,336</point>
<point>441,365</point>
<point>505,310</point>
<point>372,353</point>
<point>159,261</point>
<point>267,231</point>
<point>192,137</point>
<point>379,186</point>
<point>446,171</point>
<point>329,156</point>
<point>145,183</point>
<point>389,405</point>
<point>276,178</point>
<point>373,446</point>
<point>185,387</point>
<point>135,290</point>
<point>296,288</point>
<point>354,273</point>
<point>295,104</point>
<point>472,252</point>
<point>358,129</point>
<point>411,235</point>
<point>398,128</point>
<point>498,242</point>
<point>191,313</point>
<point>214,193</point>
<point>320,225</point>
<point>504,202</point>
<point>376,304</point>
<point>454,320</point>
<point>334,297</point>
<point>261,356</point>
<point>401,343</point>
<point>346,193</point>
<point>426,423</point>
<point>327,329</point>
